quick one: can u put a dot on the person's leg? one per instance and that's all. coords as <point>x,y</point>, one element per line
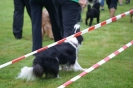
<point>102,4</point>
<point>120,2</point>
<point>18,18</point>
<point>59,12</point>
<point>27,4</point>
<point>36,14</point>
<point>70,13</point>
<point>113,8</point>
<point>108,2</point>
<point>112,12</point>
<point>52,8</point>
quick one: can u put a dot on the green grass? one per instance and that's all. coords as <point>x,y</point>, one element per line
<point>117,73</point>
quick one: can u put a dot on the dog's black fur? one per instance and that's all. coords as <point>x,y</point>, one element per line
<point>93,12</point>
<point>48,61</point>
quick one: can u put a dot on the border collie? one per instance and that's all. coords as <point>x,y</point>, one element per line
<point>47,62</point>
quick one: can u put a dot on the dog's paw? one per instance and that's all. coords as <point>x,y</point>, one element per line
<point>58,76</point>
<point>84,69</point>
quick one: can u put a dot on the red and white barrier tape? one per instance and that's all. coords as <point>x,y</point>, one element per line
<point>96,65</point>
<point>74,35</point>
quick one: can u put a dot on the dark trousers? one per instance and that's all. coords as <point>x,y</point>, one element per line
<point>69,13</point>
<point>18,16</point>
<point>36,12</point>
<point>112,3</point>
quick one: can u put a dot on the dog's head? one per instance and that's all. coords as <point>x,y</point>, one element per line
<point>88,7</point>
<point>38,70</point>
<point>96,6</point>
<point>45,65</point>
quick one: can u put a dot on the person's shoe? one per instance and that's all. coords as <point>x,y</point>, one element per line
<point>120,4</point>
<point>18,37</point>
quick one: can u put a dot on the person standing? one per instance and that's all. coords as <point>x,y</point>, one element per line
<point>36,13</point>
<point>59,11</point>
<point>69,12</point>
<point>112,6</point>
<point>102,4</point>
<point>18,16</point>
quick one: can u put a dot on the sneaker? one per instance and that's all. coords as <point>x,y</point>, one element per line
<point>120,4</point>
<point>18,37</point>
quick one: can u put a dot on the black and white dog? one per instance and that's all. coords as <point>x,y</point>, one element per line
<point>93,12</point>
<point>47,62</point>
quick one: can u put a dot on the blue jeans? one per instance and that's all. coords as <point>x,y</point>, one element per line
<point>102,3</point>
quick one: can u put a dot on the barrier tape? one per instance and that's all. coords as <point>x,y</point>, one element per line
<point>96,65</point>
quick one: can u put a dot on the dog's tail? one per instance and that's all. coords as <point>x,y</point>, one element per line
<point>27,74</point>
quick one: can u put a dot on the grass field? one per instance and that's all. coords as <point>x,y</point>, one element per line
<point>117,73</point>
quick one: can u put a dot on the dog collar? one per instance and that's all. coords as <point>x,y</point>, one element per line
<point>72,42</point>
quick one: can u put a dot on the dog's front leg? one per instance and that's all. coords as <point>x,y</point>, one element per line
<point>91,20</point>
<point>77,67</point>
<point>97,19</point>
<point>58,76</point>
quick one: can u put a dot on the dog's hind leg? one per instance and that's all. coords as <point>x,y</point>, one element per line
<point>56,76</point>
<point>86,20</point>
<point>43,32</point>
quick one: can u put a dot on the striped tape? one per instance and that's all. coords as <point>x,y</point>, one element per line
<point>96,65</point>
<point>74,35</point>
